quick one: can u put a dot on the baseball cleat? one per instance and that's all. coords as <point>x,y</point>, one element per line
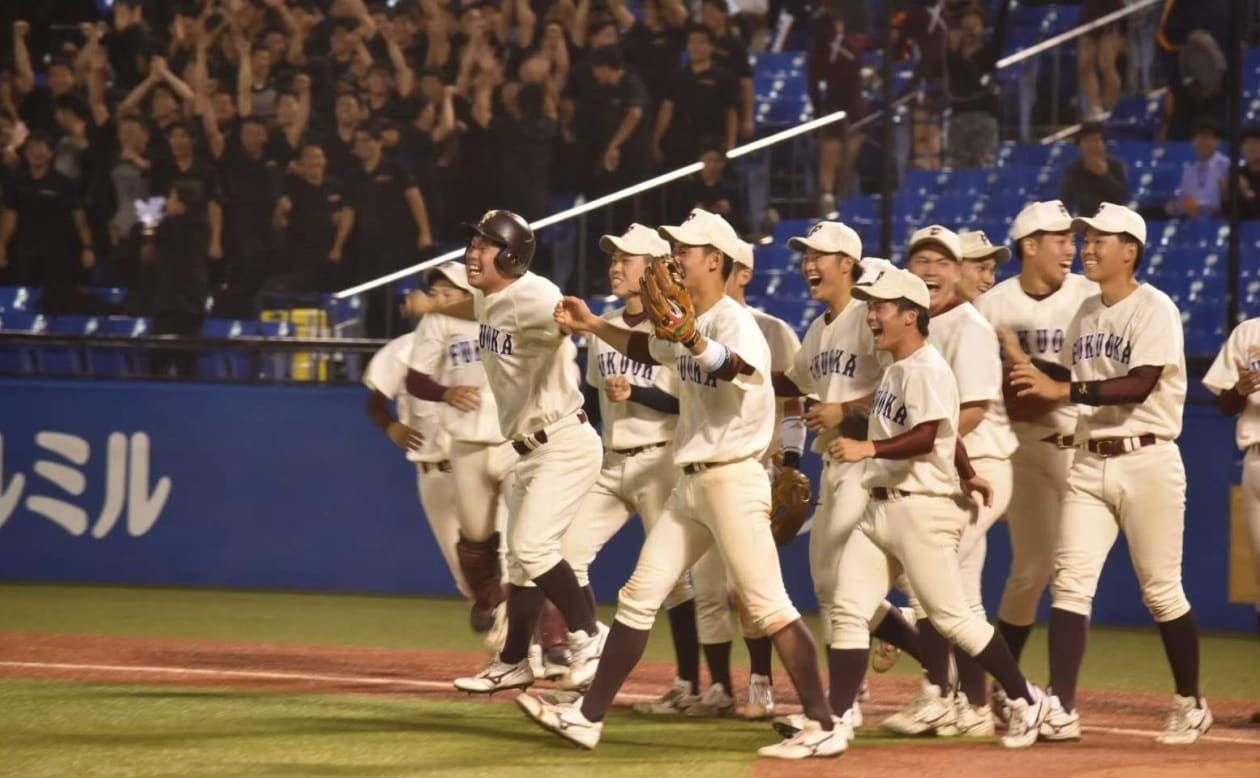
<point>555,663</point>
<point>924,714</point>
<point>715,703</point>
<point>498,676</point>
<point>671,703</point>
<point>790,725</point>
<point>584,653</point>
<point>1189,720</point>
<point>1060,725</point>
<point>760,698</point>
<point>564,719</point>
<point>811,742</point>
<point>1026,719</point>
<point>1001,705</point>
<point>970,721</point>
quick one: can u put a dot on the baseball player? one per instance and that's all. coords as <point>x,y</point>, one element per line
<point>912,523</point>
<point>638,406</point>
<point>1234,378</point>
<point>709,574</point>
<point>837,363</point>
<point>722,498</point>
<point>527,361</point>
<point>418,431</point>
<point>1124,349</point>
<point>969,345</point>
<point>1031,313</point>
<point>980,260</point>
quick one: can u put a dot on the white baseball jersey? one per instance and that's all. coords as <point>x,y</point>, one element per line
<point>837,362</point>
<point>722,421</point>
<point>387,373</point>
<point>970,345</point>
<point>1040,325</point>
<point>914,390</point>
<point>1243,345</point>
<point>445,349</point>
<point>784,344</point>
<point>1108,341</point>
<point>629,425</point>
<point>526,356</point>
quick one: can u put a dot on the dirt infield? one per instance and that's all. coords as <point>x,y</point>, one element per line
<point>1118,732</point>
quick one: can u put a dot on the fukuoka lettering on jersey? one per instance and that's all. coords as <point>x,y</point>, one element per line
<point>526,358</point>
<point>1041,326</point>
<point>913,391</point>
<point>970,345</point>
<point>1102,342</point>
<point>722,421</point>
<point>387,373</point>
<point>837,361</point>
<point>448,350</point>
<point>629,425</point>
<point>1243,346</point>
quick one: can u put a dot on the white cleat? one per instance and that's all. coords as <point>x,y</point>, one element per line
<point>760,698</point>
<point>1189,720</point>
<point>1060,726</point>
<point>498,676</point>
<point>584,653</point>
<point>555,663</point>
<point>564,719</point>
<point>811,742</point>
<point>790,725</point>
<point>970,721</point>
<point>671,703</point>
<point>924,714</point>
<point>1001,705</point>
<point>715,703</point>
<point>1026,719</point>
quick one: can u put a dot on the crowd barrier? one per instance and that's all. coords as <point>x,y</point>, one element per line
<point>291,488</point>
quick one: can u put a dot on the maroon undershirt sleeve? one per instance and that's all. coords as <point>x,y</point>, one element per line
<point>912,443</point>
<point>422,386</point>
<point>1128,389</point>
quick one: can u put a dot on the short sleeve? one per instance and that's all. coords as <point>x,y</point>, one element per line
<point>923,398</point>
<point>737,330</point>
<point>1157,335</point>
<point>536,312</point>
<point>386,371</point>
<point>592,368</point>
<point>784,347</point>
<point>978,365</point>
<point>427,346</point>
<point>798,372</point>
<point>1069,339</point>
<point>1223,374</point>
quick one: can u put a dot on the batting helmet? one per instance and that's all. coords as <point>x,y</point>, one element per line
<point>512,235</point>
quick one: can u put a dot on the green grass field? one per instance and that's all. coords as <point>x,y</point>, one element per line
<point>55,728</point>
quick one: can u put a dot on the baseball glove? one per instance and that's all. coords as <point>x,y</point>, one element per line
<point>790,501</point>
<point>1024,408</point>
<point>668,303</point>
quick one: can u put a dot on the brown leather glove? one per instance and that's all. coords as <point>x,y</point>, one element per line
<point>790,503</point>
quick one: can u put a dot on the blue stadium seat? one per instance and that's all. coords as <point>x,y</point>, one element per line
<point>226,363</point>
<point>275,366</point>
<point>1201,233</point>
<point>1136,117</point>
<point>778,61</point>
<point>19,358</point>
<point>1157,184</point>
<point>1249,235</point>
<point>784,112</point>
<point>862,209</point>
<point>20,299</point>
<point>67,360</point>
<point>117,361</point>
<point>772,256</point>
<point>790,228</point>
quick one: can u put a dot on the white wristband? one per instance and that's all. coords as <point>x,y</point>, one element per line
<point>792,431</point>
<point>713,357</point>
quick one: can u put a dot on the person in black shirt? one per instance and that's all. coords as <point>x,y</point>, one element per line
<point>1249,176</point>
<point>36,106</point>
<point>701,103</point>
<point>180,272</point>
<point>730,54</point>
<point>315,218</point>
<point>248,182</point>
<point>1096,177</point>
<point>184,162</point>
<point>44,235</point>
<point>973,121</point>
<point>621,133</point>
<point>654,46</point>
<point>339,144</point>
<point>714,190</point>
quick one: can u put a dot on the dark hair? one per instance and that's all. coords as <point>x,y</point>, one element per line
<point>170,130</point>
<point>608,57</point>
<point>599,26</point>
<point>73,104</point>
<point>344,23</point>
<point>718,4</point>
<point>700,29</point>
<point>254,119</point>
<point>856,271</point>
<point>711,144</point>
<point>1206,124</point>
<point>728,263</point>
<point>39,136</point>
<point>1090,128</point>
<point>1141,249</point>
<point>372,128</point>
<point>60,61</point>
<point>904,305</point>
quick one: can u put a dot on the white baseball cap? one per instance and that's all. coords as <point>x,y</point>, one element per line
<point>746,256</point>
<point>976,245</point>
<point>874,265</point>
<point>830,238</point>
<point>941,236</point>
<point>637,241</point>
<point>892,284</point>
<point>1115,219</point>
<point>455,272</point>
<point>1046,216</point>
<point>703,228</point>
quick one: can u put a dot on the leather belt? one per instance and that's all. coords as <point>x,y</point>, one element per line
<point>1114,447</point>
<point>629,452</point>
<point>700,467</point>
<point>539,438</point>
<point>1060,441</point>
<point>444,466</point>
<point>884,493</point>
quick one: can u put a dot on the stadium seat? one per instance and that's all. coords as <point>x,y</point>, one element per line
<point>19,358</point>
<point>275,366</point>
<point>789,228</point>
<point>774,257</point>
<point>226,363</point>
<point>20,299</point>
<point>117,361</point>
<point>66,360</point>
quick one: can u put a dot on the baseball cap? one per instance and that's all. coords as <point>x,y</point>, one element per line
<point>873,266</point>
<point>637,241</point>
<point>976,245</point>
<point>830,238</point>
<point>455,272</point>
<point>1047,216</point>
<point>936,234</point>
<point>746,256</point>
<point>1114,219</point>
<point>894,284</point>
<point>703,228</point>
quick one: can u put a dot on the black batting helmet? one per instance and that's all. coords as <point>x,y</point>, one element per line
<point>512,235</point>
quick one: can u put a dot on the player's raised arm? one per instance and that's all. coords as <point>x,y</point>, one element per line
<point>418,304</point>
<point>575,316</point>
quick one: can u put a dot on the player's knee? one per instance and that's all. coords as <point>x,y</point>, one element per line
<point>969,632</point>
<point>849,629</point>
<point>1166,601</point>
<point>681,593</point>
<point>1071,594</point>
<point>534,555</point>
<point>635,612</point>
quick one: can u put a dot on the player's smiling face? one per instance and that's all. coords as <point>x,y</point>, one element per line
<point>1052,255</point>
<point>886,322</point>
<point>625,271</point>
<point>975,277</point>
<point>482,272</point>
<point>1106,257</point>
<point>695,262</point>
<point>938,270</point>
<point>825,272</point>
